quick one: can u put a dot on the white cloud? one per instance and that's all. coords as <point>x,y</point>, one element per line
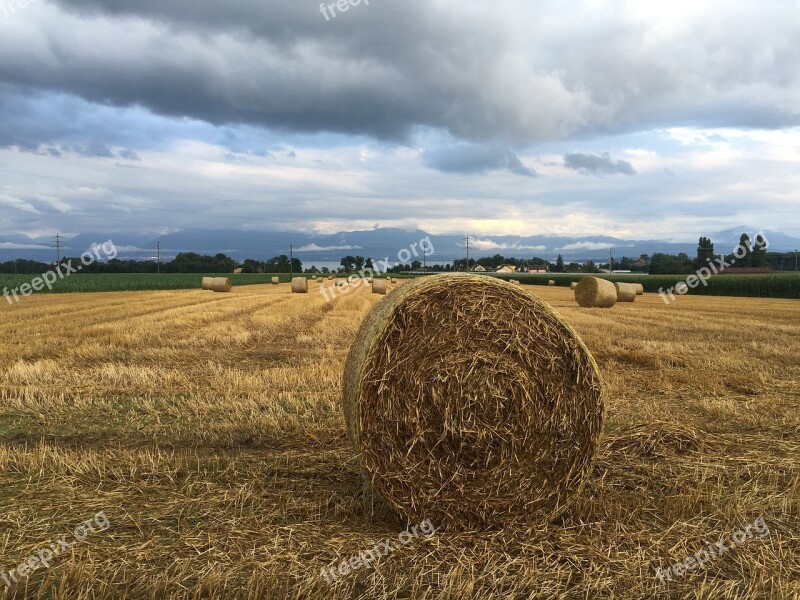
<point>316,248</point>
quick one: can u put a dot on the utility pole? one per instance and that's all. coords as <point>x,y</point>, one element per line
<point>795,259</point>
<point>291,260</point>
<point>57,244</point>
<point>466,238</point>
<point>158,255</point>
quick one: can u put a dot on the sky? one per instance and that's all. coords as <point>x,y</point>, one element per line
<point>644,120</point>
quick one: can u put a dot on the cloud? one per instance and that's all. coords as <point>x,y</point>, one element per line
<point>13,246</point>
<point>469,158</point>
<point>587,246</point>
<point>492,245</point>
<point>316,248</point>
<point>601,164</point>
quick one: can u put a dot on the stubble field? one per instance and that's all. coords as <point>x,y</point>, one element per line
<point>208,428</point>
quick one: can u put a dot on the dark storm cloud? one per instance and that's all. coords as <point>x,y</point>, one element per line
<point>599,164</point>
<point>475,159</point>
<point>484,74</point>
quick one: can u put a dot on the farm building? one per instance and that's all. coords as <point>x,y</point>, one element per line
<point>479,269</point>
<point>537,269</point>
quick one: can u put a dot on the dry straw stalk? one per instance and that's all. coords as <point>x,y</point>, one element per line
<point>299,285</point>
<point>593,292</point>
<point>472,403</point>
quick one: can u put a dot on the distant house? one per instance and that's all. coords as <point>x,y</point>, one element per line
<point>237,271</point>
<point>537,269</point>
<point>479,268</point>
<point>506,269</point>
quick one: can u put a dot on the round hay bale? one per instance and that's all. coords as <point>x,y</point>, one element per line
<point>206,283</point>
<point>472,403</point>
<point>314,277</point>
<point>330,277</point>
<point>573,285</point>
<point>299,285</point>
<point>593,292</point>
<point>394,279</point>
<point>276,280</point>
<point>551,282</point>
<point>639,289</point>
<point>626,292</point>
<point>340,283</point>
<point>379,287</point>
<point>221,284</point>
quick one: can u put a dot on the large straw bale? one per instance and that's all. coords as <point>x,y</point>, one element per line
<point>221,284</point>
<point>299,285</point>
<point>626,292</point>
<point>471,402</point>
<point>593,292</point>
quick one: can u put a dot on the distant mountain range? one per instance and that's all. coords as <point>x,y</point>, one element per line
<point>375,243</point>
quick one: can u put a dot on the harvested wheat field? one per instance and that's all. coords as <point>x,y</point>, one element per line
<point>209,431</point>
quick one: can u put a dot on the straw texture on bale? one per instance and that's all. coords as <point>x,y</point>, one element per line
<point>299,285</point>
<point>573,285</point>
<point>206,283</point>
<point>472,403</point>
<point>639,289</point>
<point>221,284</point>
<point>379,286</point>
<point>626,292</point>
<point>276,280</point>
<point>593,292</point>
<point>551,282</point>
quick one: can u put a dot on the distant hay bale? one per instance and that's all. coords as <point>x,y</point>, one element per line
<point>394,279</point>
<point>299,285</point>
<point>639,289</point>
<point>472,403</point>
<point>221,284</point>
<point>573,285</point>
<point>276,280</point>
<point>551,282</point>
<point>330,277</point>
<point>593,292</point>
<point>369,279</point>
<point>626,292</point>
<point>340,283</point>
<point>379,287</point>
<point>206,283</point>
